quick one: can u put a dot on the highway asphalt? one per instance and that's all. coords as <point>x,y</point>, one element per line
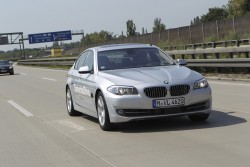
<point>36,131</point>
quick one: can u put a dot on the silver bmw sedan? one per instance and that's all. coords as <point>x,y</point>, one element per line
<point>126,82</point>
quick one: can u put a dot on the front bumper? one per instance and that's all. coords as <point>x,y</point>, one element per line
<point>6,70</point>
<point>139,107</point>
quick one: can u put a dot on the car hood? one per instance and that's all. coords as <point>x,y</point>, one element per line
<point>134,76</point>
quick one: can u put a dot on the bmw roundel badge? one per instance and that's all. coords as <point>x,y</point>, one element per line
<point>166,82</point>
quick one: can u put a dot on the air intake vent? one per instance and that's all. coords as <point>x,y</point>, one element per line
<point>179,90</point>
<point>155,92</point>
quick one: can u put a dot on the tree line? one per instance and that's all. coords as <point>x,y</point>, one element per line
<point>102,36</point>
<point>234,8</point>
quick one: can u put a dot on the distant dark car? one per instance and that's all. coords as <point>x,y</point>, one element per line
<point>6,67</point>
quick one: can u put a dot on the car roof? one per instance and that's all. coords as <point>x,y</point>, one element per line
<point>121,46</point>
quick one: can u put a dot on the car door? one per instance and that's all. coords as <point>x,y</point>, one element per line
<point>88,85</point>
<point>75,81</point>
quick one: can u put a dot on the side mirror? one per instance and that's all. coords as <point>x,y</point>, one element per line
<point>182,62</point>
<point>84,70</point>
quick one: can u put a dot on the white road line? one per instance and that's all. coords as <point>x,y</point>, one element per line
<point>49,79</point>
<point>19,108</point>
<point>226,83</point>
<point>72,125</point>
<point>83,146</point>
<point>22,74</point>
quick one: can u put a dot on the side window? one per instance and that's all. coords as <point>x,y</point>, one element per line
<point>80,60</point>
<point>89,61</point>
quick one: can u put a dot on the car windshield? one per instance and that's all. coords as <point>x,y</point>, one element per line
<point>132,58</point>
<point>4,63</point>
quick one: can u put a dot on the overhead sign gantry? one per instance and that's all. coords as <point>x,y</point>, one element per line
<point>12,38</point>
<point>17,38</point>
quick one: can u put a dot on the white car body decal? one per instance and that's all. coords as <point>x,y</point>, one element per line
<point>82,90</point>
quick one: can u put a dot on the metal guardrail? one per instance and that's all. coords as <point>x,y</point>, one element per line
<point>241,46</point>
<point>48,62</point>
<point>237,43</point>
<point>221,63</point>
<point>235,63</point>
<point>242,49</point>
<point>216,51</point>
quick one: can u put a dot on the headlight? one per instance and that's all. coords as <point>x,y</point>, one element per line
<point>11,67</point>
<point>123,90</point>
<point>201,84</point>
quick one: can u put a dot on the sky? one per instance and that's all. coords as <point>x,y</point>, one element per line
<point>41,16</point>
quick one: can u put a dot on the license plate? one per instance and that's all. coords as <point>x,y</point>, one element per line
<point>168,102</point>
<point>3,70</point>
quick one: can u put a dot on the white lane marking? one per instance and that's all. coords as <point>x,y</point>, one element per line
<point>72,125</point>
<point>19,108</point>
<point>83,146</point>
<point>226,83</point>
<point>22,74</point>
<point>49,79</point>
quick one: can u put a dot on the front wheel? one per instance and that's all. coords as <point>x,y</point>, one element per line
<point>198,117</point>
<point>102,113</point>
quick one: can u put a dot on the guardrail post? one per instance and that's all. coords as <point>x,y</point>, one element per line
<point>247,54</point>
<point>219,70</point>
<point>237,43</point>
<point>231,55</point>
<point>203,46</point>
<point>204,55</point>
<point>193,56</point>
<point>173,57</point>
<point>183,56</point>
<point>217,55</point>
<point>225,44</point>
<point>193,46</point>
<point>233,70</point>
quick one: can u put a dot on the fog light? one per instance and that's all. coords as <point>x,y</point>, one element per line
<point>120,112</point>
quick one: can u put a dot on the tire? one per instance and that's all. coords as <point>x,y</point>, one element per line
<point>69,104</point>
<point>102,113</point>
<point>198,117</point>
<point>12,73</point>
